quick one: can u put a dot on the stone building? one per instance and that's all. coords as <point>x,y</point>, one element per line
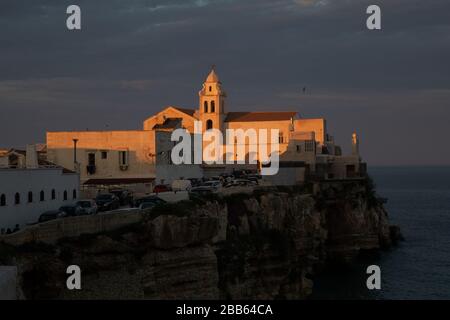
<point>136,158</point>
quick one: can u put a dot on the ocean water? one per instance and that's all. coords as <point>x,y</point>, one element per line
<point>419,268</point>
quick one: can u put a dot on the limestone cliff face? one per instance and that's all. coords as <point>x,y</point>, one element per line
<point>264,246</point>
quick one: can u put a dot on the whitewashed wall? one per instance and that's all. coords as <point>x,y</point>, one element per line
<point>35,180</point>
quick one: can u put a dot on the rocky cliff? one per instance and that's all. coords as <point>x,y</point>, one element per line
<point>265,245</point>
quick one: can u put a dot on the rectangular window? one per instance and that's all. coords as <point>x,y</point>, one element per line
<point>104,155</point>
<point>309,146</point>
<point>91,159</point>
<point>123,158</point>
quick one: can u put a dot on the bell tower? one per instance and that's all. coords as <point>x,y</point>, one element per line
<point>212,103</point>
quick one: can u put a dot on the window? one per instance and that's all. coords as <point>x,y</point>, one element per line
<point>209,125</point>
<point>205,107</point>
<point>123,158</point>
<point>213,106</point>
<point>42,196</point>
<point>299,148</point>
<point>2,200</point>
<point>91,159</point>
<point>309,146</point>
<point>53,194</point>
<point>74,194</point>
<point>91,163</point>
<point>17,198</point>
<point>104,155</point>
<point>280,138</point>
<point>30,197</point>
<point>210,88</point>
<point>65,195</point>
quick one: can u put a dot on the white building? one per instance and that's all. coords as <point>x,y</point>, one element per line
<point>30,186</point>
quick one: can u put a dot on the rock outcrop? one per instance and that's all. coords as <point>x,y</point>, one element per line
<point>266,245</point>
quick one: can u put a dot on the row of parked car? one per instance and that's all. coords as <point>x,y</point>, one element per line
<point>117,198</point>
<point>212,185</point>
<point>112,200</point>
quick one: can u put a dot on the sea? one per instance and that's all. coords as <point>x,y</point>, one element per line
<point>419,267</point>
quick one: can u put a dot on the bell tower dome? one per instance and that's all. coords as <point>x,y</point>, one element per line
<point>212,102</point>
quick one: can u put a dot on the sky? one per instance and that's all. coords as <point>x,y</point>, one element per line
<point>132,58</point>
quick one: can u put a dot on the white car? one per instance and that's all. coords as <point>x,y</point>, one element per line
<point>89,206</point>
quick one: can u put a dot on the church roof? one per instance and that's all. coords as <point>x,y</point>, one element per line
<point>186,111</point>
<point>170,123</point>
<point>212,77</point>
<point>259,116</point>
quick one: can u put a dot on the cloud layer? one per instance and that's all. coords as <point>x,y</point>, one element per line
<point>134,57</point>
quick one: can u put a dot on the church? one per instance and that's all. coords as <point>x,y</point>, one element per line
<point>141,158</point>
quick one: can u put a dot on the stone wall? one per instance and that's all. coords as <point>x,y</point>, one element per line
<point>52,231</point>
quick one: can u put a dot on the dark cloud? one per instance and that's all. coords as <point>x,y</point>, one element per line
<point>134,57</point>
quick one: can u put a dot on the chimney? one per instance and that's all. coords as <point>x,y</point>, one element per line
<point>31,157</point>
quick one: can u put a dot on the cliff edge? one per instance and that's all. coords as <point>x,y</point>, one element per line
<point>265,245</point>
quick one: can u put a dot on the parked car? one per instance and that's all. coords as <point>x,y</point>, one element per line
<point>214,184</point>
<point>226,177</point>
<point>50,215</point>
<point>202,190</point>
<point>254,177</point>
<point>161,188</point>
<point>153,199</point>
<point>88,205</point>
<point>125,196</point>
<point>107,202</point>
<point>195,182</point>
<point>240,183</point>
<point>181,185</point>
<point>72,210</point>
<point>147,205</point>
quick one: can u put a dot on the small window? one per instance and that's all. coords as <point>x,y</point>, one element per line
<point>74,194</point>
<point>210,88</point>
<point>213,106</point>
<point>17,198</point>
<point>299,148</point>
<point>209,125</point>
<point>65,195</point>
<point>30,197</point>
<point>205,106</point>
<point>2,200</point>
<point>42,196</point>
<point>123,158</point>
<point>280,138</point>
<point>104,155</point>
<point>53,194</point>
